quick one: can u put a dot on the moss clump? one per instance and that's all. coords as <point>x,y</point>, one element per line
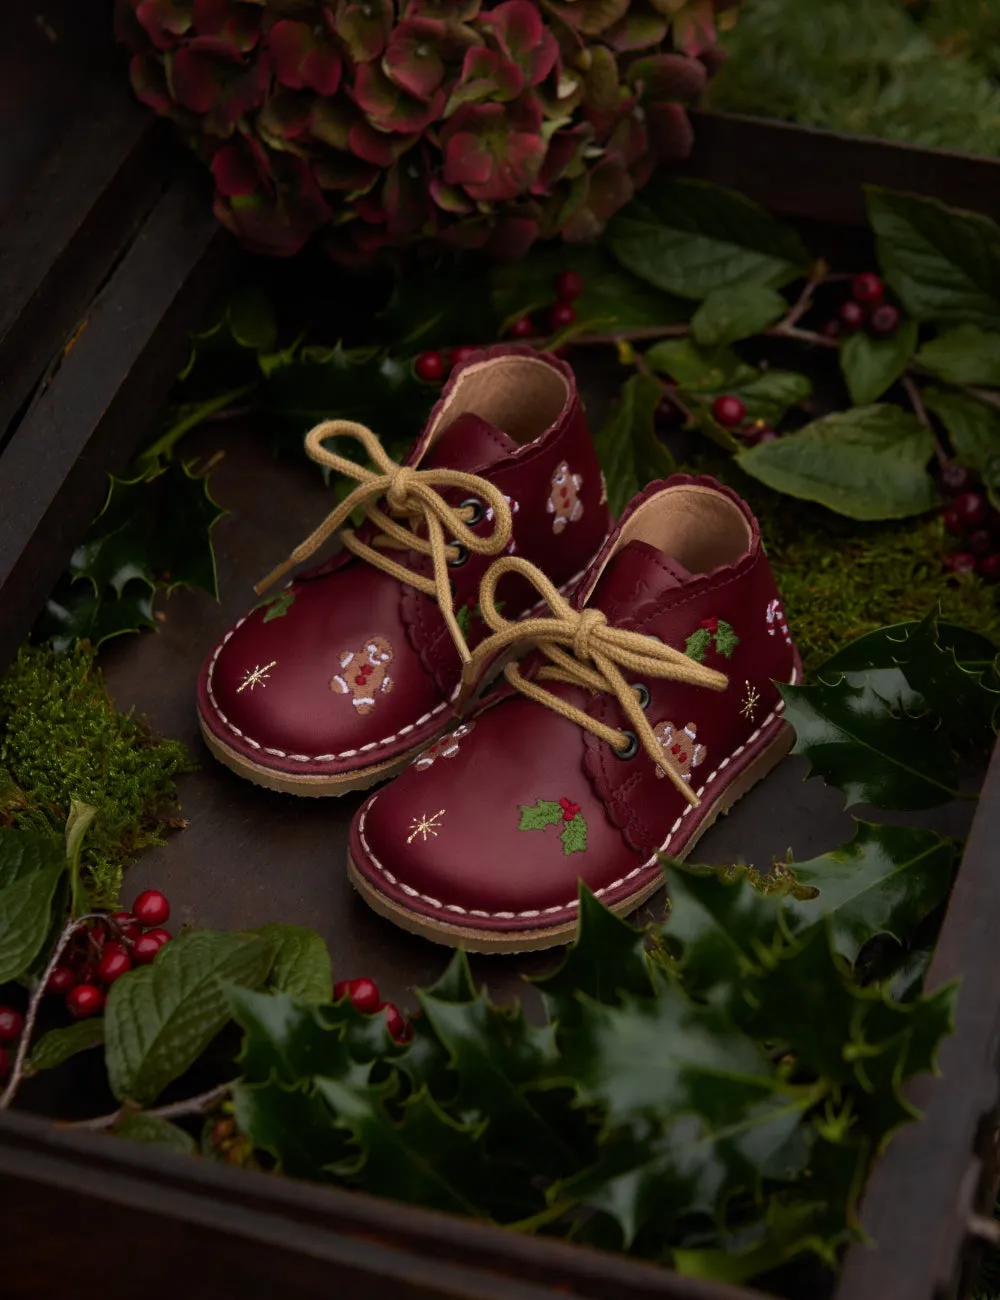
<point>840,579</point>
<point>61,738</point>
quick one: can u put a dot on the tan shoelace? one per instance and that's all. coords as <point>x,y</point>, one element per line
<point>598,655</point>
<point>411,495</point>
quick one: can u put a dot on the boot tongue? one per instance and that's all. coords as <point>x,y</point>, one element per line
<point>634,575</point>
<point>469,443</point>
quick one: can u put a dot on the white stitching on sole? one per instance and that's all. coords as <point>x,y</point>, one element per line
<point>607,889</point>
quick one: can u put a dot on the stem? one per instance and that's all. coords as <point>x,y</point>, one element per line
<point>987,395</point>
<point>544,1217</point>
<point>20,1060</point>
<point>649,333</point>
<point>805,298</point>
<point>189,1106</point>
<point>917,402</point>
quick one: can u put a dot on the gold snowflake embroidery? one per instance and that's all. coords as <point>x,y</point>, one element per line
<point>750,701</point>
<point>425,825</point>
<point>257,676</point>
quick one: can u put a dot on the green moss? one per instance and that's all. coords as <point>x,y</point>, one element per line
<point>840,579</point>
<point>61,738</point>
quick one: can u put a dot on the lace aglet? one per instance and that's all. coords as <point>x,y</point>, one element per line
<point>272,577</point>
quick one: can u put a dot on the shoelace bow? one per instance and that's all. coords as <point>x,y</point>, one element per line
<point>595,656</point>
<point>411,495</point>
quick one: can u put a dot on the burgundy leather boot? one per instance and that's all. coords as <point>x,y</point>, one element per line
<point>646,707</point>
<point>345,675</point>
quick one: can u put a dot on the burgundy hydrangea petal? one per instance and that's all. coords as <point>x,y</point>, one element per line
<point>301,61</point>
<point>630,138</point>
<point>412,59</point>
<point>407,200</point>
<point>364,28</point>
<point>149,83</point>
<point>164,21</point>
<point>522,36</point>
<point>694,28</point>
<point>610,188</point>
<point>346,173</point>
<point>467,160</point>
<point>388,107</point>
<point>217,47</point>
<point>669,76</point>
<point>563,149</point>
<point>449,198</point>
<point>378,147</point>
<point>469,235</point>
<point>286,114</point>
<point>671,135</point>
<point>234,171</point>
<point>637,32</point>
<point>237,23</point>
<point>193,79</point>
<point>511,238</point>
<point>486,74</point>
<point>454,11</point>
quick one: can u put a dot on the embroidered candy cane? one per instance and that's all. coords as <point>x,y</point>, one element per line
<point>776,615</point>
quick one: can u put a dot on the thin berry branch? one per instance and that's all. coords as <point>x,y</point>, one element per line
<point>988,395</point>
<point>917,402</point>
<point>199,1105</point>
<point>20,1060</point>
<point>805,299</point>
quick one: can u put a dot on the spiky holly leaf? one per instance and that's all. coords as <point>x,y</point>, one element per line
<point>74,612</point>
<point>277,606</point>
<point>697,644</point>
<point>884,881</point>
<point>574,835</point>
<point>726,639</point>
<point>536,816</point>
<point>293,1124</point>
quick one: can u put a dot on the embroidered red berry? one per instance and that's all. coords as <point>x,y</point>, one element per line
<point>852,314</point>
<point>115,962</point>
<point>961,562</point>
<point>989,567</point>
<point>429,367</point>
<point>867,287</point>
<point>561,315</point>
<point>523,328</point>
<point>460,355</point>
<point>125,926</point>
<point>363,993</point>
<point>61,980</point>
<point>710,625</point>
<point>145,948</point>
<point>971,508</point>
<point>151,908</point>
<point>11,1024</point>
<point>884,320</point>
<point>729,411</point>
<point>85,1000</point>
<point>956,478</point>
<point>396,1022</point>
<point>570,809</point>
<point>569,285</point>
<point>980,541</point>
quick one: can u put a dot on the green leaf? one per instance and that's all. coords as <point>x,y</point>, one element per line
<point>884,881</point>
<point>728,315</point>
<point>75,613</point>
<point>77,824</point>
<point>251,318</point>
<point>867,463</point>
<point>770,395</point>
<point>574,835</point>
<point>966,355</point>
<point>696,368</point>
<point>154,1130</point>
<point>160,1018</point>
<point>882,648</point>
<point>854,741</point>
<point>59,1045</point>
<point>943,263</point>
<point>31,867</point>
<point>301,965</point>
<point>871,365</point>
<point>278,605</point>
<point>973,427</point>
<point>698,643</point>
<point>726,639</point>
<point>184,418</point>
<point>289,1041</point>
<point>536,816</point>
<point>294,1125</point>
<point>690,238</point>
<point>628,448</point>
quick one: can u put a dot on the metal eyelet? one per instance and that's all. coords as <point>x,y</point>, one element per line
<point>458,560</point>
<point>631,747</point>
<point>642,692</point>
<point>477,508</point>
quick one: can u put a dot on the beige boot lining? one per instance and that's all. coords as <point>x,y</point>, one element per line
<point>522,396</point>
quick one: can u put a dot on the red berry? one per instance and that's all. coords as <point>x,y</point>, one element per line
<point>61,980</point>
<point>523,328</point>
<point>767,435</point>
<point>561,315</point>
<point>832,329</point>
<point>852,314</point>
<point>124,925</point>
<point>363,993</point>
<point>145,948</point>
<point>569,285</point>
<point>980,541</point>
<point>85,1000</point>
<point>163,936</point>
<point>867,287</point>
<point>989,567</point>
<point>971,508</point>
<point>396,1022</point>
<point>952,522</point>
<point>430,367</point>
<point>11,1024</point>
<point>956,478</point>
<point>151,908</point>
<point>729,411</point>
<point>115,963</point>
<point>460,355</point>
<point>4,1063</point>
<point>884,320</point>
<point>961,562</point>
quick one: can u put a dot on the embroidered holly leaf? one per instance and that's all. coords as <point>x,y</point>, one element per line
<point>277,606</point>
<point>726,639</point>
<point>697,645</point>
<point>463,618</point>
<point>536,816</point>
<point>574,835</point>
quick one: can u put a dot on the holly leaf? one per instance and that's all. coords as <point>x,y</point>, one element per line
<point>884,647</point>
<point>871,365</point>
<point>293,1124</point>
<point>301,966</point>
<point>727,315</point>
<point>58,1045</point>
<point>973,427</point>
<point>854,741</point>
<point>574,835</point>
<point>31,867</point>
<point>697,645</point>
<point>536,816</point>
<point>867,463</point>
<point>160,1018</point>
<point>251,318</point>
<point>943,263</point>
<point>883,881</point>
<point>154,1130</point>
<point>628,448</point>
<point>74,612</point>
<point>277,606</point>
<point>966,355</point>
<point>689,238</point>
<point>726,639</point>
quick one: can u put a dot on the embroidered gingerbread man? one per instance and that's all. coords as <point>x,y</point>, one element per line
<point>564,502</point>
<point>680,748</point>
<point>447,747</point>
<point>364,674</point>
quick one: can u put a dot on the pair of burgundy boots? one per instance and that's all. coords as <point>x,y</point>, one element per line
<point>638,702</point>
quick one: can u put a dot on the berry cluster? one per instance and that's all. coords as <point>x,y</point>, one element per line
<point>106,949</point>
<point>970,517</point>
<point>11,1024</point>
<point>432,367</point>
<point>865,306</point>
<point>731,413</point>
<point>366,998</point>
